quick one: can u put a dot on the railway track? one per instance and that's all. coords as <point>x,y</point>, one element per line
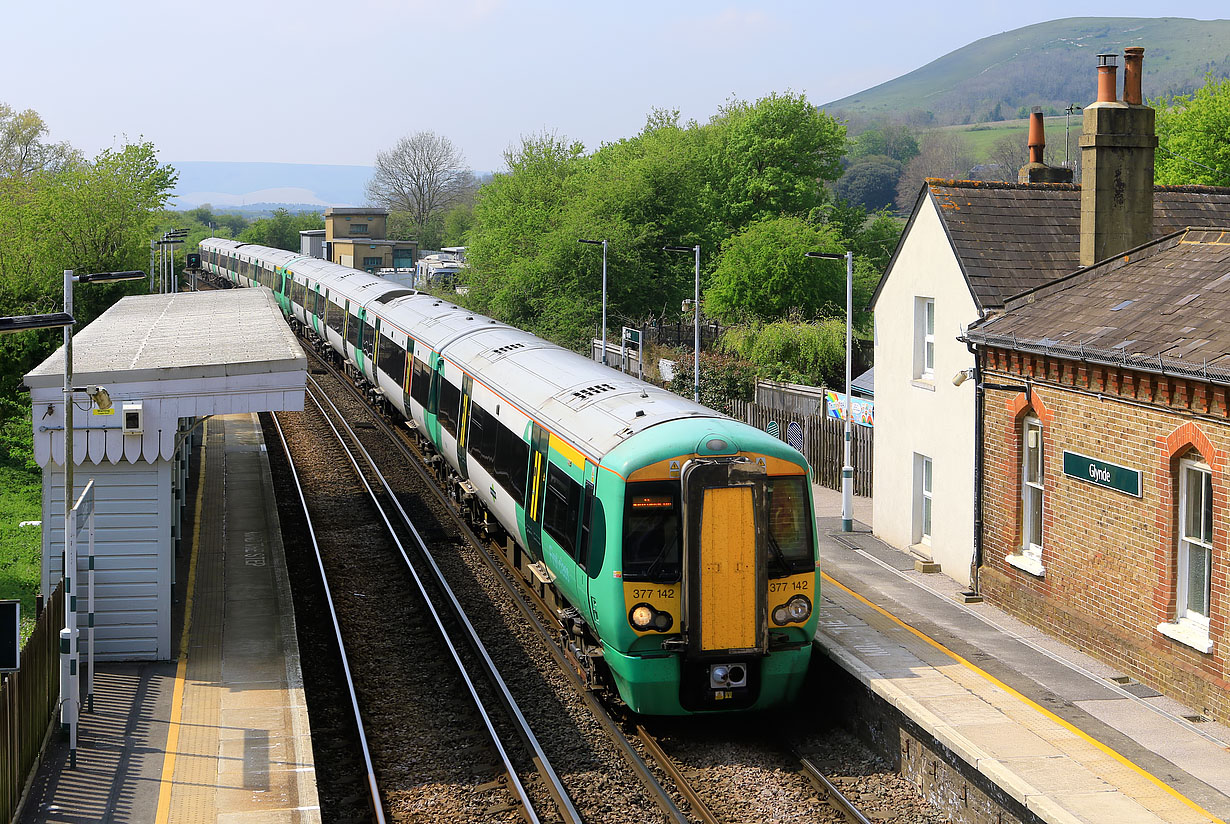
<point>551,630</point>
<point>432,589</point>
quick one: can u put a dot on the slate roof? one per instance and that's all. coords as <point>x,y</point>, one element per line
<point>1162,307</point>
<point>1010,237</point>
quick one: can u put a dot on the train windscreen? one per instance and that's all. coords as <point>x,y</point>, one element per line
<point>790,526</point>
<point>653,532</point>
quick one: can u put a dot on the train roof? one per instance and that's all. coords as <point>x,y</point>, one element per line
<point>593,406</point>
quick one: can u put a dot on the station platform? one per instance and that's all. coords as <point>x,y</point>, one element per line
<point>221,734</point>
<point>1049,726</point>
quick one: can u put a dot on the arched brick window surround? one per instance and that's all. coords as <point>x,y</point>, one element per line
<point>1020,407</point>
<point>1174,447</point>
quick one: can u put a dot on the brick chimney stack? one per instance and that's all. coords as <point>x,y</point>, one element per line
<point>1117,147</point>
<point>1036,171</point>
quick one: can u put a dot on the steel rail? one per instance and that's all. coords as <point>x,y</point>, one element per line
<point>669,766</point>
<point>517,588</point>
<point>554,784</point>
<point>835,798</point>
<point>337,630</point>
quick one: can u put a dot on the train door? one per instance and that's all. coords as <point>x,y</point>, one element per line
<point>724,545</point>
<point>405,379</point>
<point>371,346</point>
<point>589,549</point>
<point>432,414</point>
<point>535,491</point>
<point>463,425</point>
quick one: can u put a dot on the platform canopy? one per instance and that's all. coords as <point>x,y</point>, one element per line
<point>185,355</point>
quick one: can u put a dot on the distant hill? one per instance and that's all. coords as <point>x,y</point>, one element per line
<point>1047,64</point>
<point>296,185</point>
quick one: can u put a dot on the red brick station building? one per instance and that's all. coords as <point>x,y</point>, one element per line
<point>1105,425</point>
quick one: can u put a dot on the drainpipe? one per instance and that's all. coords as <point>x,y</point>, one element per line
<point>976,561</point>
<point>979,404</point>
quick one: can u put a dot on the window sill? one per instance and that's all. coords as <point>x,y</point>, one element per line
<point>924,383</point>
<point>1027,563</point>
<point>1195,637</point>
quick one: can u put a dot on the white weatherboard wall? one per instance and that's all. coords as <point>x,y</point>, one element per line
<point>932,418</point>
<point>132,578</point>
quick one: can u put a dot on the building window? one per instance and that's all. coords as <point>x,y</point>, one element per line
<point>1031,488</point>
<point>358,228</point>
<point>923,477</point>
<point>1195,543</point>
<point>924,338</point>
<point>1033,485</point>
<point>373,261</point>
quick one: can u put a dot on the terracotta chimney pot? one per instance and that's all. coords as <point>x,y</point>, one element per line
<point>1107,78</point>
<point>1037,136</point>
<point>1133,68</point>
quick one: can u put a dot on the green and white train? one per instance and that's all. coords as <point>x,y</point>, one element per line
<point>679,545</point>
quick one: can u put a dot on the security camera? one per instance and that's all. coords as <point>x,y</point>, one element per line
<point>962,376</point>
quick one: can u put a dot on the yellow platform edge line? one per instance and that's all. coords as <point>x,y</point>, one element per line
<point>1160,784</point>
<point>177,696</point>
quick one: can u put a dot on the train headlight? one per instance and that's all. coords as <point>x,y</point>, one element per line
<point>662,621</point>
<point>641,616</point>
<point>794,611</point>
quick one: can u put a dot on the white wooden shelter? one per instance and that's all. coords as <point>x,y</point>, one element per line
<point>180,357</point>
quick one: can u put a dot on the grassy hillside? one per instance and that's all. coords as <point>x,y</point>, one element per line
<point>1048,64</point>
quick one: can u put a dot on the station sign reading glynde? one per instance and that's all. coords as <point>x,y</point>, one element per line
<point>1102,473</point>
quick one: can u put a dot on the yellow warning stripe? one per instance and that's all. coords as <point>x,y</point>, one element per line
<point>1159,783</point>
<point>181,670</point>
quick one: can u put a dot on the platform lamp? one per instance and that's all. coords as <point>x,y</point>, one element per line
<point>98,396</point>
<point>847,468</point>
<point>603,244</point>
<point>695,318</point>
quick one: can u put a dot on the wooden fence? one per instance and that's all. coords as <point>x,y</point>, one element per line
<point>819,438</point>
<point>28,699</point>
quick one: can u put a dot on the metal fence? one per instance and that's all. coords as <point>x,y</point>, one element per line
<point>28,701</point>
<point>821,440</point>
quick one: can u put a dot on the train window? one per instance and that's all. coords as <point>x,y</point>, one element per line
<point>352,329</point>
<point>420,383</point>
<point>392,360</point>
<point>337,317</point>
<point>482,438</point>
<point>563,509</point>
<point>450,406</point>
<point>653,532</point>
<point>369,339</point>
<point>512,459</point>
<point>790,525</point>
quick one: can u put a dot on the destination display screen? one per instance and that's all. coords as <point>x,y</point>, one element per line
<point>652,502</point>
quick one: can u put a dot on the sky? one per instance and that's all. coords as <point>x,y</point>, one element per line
<point>335,83</point>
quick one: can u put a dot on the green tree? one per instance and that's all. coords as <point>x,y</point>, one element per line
<point>773,157</point>
<point>870,182</point>
<point>281,230</point>
<point>90,216</point>
<point>24,149</point>
<point>792,349</point>
<point>1194,136</point>
<point>895,140</point>
<point>763,274</point>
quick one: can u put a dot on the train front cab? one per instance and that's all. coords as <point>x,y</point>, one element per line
<point>719,579</point>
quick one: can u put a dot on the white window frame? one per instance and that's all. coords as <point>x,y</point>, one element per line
<point>924,500</point>
<point>1189,626</point>
<point>1187,471</point>
<point>1028,556</point>
<point>924,339</point>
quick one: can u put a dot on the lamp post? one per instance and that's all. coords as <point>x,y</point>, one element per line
<point>847,469</point>
<point>604,243</point>
<point>69,635</point>
<point>695,318</point>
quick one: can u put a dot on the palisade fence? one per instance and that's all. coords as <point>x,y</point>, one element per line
<point>28,700</point>
<point>821,440</point>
